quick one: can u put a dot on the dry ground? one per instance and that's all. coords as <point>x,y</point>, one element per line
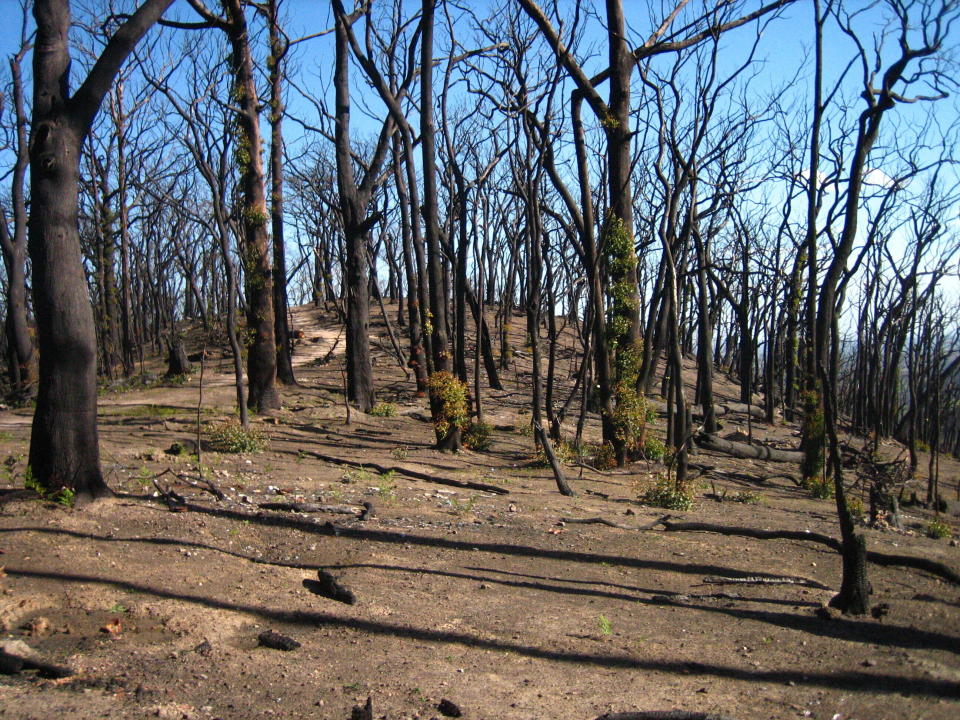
<point>495,602</point>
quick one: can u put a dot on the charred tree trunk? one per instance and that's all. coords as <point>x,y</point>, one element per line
<point>438,297</point>
<point>262,394</point>
<point>281,324</point>
<point>64,447</point>
<point>19,344</point>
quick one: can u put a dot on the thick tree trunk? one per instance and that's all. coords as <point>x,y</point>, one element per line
<point>64,448</point>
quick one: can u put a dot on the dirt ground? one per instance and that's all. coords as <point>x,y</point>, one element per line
<point>498,603</point>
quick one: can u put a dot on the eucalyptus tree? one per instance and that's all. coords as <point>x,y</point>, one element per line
<point>64,447</point>
<point>262,392</point>
<point>614,117</point>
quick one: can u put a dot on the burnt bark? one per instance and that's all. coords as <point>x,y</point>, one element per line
<point>262,392</point>
<point>64,447</point>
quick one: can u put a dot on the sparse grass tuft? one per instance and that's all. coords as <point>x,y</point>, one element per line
<point>667,495</point>
<point>938,530</point>
<point>476,436</point>
<point>747,498</point>
<point>819,487</point>
<point>232,437</point>
<point>606,627</point>
<point>384,409</point>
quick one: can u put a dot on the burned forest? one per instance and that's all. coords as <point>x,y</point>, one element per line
<point>408,359</point>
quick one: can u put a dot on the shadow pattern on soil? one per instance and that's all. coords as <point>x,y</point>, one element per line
<point>853,681</point>
<point>860,631</point>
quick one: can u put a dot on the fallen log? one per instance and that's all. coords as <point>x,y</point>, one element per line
<point>745,451</point>
<point>465,484</point>
<point>720,409</point>
<point>763,580</point>
<point>917,563</point>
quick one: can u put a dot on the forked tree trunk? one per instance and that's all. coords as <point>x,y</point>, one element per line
<point>64,448</point>
<point>359,376</point>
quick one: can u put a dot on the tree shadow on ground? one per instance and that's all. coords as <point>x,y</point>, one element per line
<point>853,681</point>
<point>849,630</point>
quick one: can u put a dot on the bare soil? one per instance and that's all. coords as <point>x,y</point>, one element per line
<point>497,603</point>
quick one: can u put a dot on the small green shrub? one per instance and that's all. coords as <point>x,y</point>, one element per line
<point>747,498</point>
<point>448,400</point>
<point>606,627</point>
<point>922,446</point>
<point>32,484</point>
<point>566,452</point>
<point>819,487</point>
<point>605,457</point>
<point>386,487</point>
<point>938,530</point>
<point>653,448</point>
<point>525,429</point>
<point>855,506</point>
<point>463,507</point>
<point>477,434</point>
<point>384,409</point>
<point>360,475</point>
<point>667,495</point>
<point>232,437</point>
<point>400,453</point>
<point>64,496</point>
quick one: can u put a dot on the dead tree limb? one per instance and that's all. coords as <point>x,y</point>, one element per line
<point>611,523</point>
<point>204,484</point>
<point>762,580</point>
<point>305,507</point>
